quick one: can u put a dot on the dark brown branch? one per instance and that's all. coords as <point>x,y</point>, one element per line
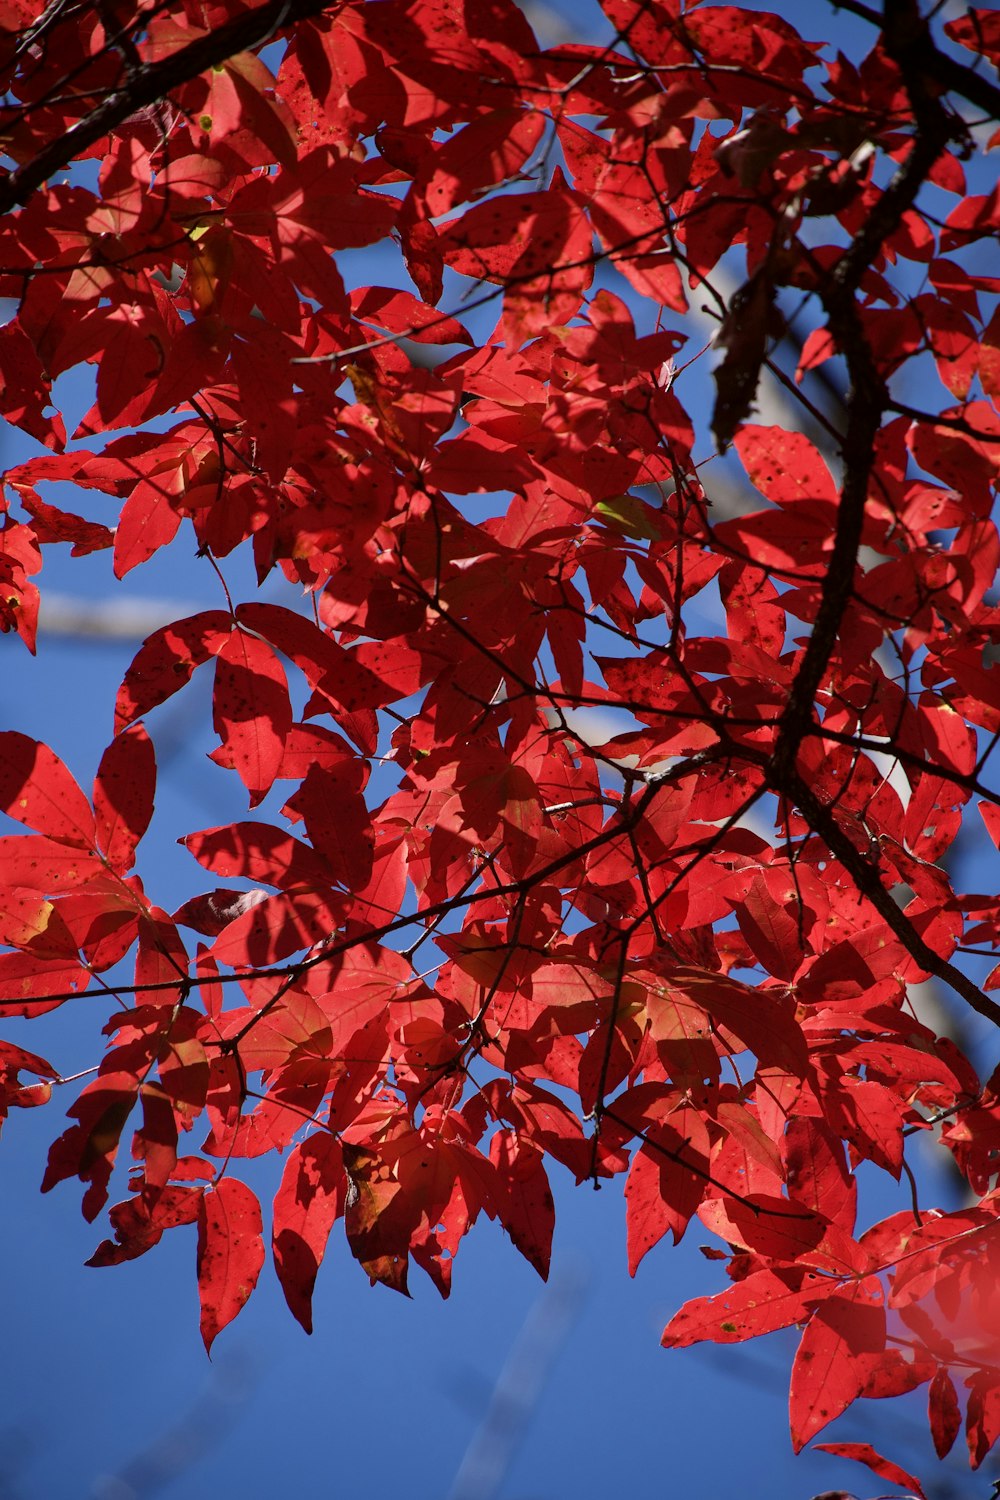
<point>968,781</point>
<point>907,41</point>
<point>867,399</point>
<point>868,881</point>
<point>866,403</point>
<point>920,54</point>
<point>149,84</point>
<point>939,419</point>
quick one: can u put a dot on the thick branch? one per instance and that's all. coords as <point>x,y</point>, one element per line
<point>866,403</point>
<point>921,55</point>
<point>869,883</point>
<point>908,42</point>
<point>152,83</point>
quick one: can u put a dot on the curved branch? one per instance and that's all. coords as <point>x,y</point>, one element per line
<point>921,53</point>
<point>869,884</point>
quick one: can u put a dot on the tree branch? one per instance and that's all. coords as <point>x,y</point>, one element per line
<point>923,55</point>
<point>908,42</point>
<point>151,83</point>
<point>869,883</point>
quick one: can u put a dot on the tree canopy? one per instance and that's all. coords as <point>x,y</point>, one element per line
<point>606,734</point>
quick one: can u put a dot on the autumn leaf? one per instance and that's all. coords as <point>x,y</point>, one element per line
<point>311,1197</point>
<point>230,1254</point>
<point>841,1341</point>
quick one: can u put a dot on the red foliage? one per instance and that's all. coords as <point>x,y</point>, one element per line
<point>656,763</point>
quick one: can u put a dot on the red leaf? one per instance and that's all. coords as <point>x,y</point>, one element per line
<point>27,982</point>
<point>864,1453</point>
<point>943,1412</point>
<point>982,1416</point>
<point>783,1229</point>
<point>483,152</point>
<point>784,465</point>
<point>378,1219</point>
<point>37,789</point>
<point>338,824</point>
<point>26,388</point>
<point>871,1118</point>
<point>54,525</point>
<point>834,1357</point>
<point>148,521</point>
<point>311,745</point>
<point>139,1224</point>
<point>537,244</point>
<point>40,864</point>
<point>402,313</point>
<point>17,1095</point>
<point>526,1209</point>
<point>123,796</point>
<point>29,922</point>
<point>666,1183</point>
<point>256,851</point>
<point>759,1019</point>
<point>989,357</point>
<point>979,30</point>
<point>166,661</point>
<point>817,1172</point>
<point>769,919</point>
<point>262,369</point>
<point>761,1303</point>
<point>798,539</point>
<point>88,1150</point>
<point>278,926</point>
<point>230,1254</point>
<point>325,665</point>
<point>251,711</point>
<point>544,1119</point>
<point>310,1199</point>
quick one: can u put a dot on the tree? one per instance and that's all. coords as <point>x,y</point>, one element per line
<point>471,932</point>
